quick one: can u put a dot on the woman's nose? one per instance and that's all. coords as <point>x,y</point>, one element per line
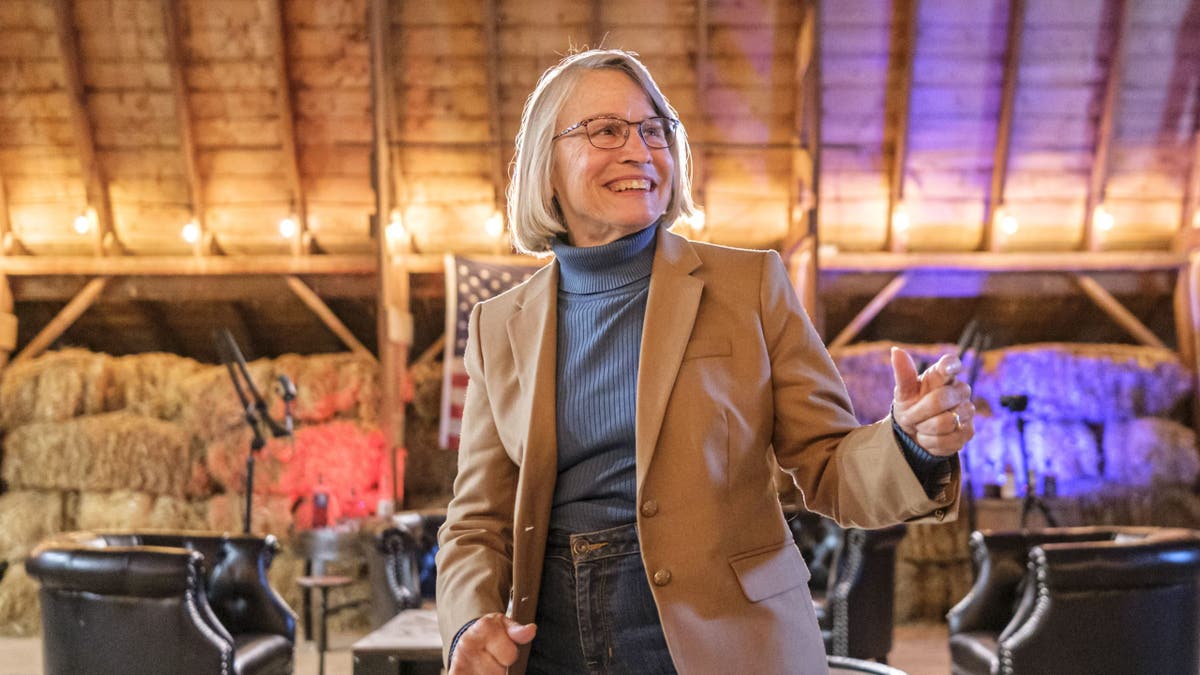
<point>635,148</point>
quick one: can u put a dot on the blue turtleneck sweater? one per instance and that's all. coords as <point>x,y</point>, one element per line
<point>602,294</point>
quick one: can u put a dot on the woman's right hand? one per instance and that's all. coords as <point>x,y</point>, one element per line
<point>489,646</point>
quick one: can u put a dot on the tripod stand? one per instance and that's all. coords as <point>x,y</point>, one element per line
<point>1017,406</point>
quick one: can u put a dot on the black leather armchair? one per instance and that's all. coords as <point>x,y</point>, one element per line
<point>157,603</point>
<point>1080,600</point>
<point>856,612</point>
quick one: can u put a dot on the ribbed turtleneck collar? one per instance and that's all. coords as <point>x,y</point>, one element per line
<point>594,269</point>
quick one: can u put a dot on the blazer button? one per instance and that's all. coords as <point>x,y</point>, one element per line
<point>649,508</point>
<point>940,514</point>
<point>662,577</point>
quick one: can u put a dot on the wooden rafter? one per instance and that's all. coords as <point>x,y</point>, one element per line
<point>183,113</point>
<point>696,131</point>
<point>1113,307</point>
<point>596,24</point>
<point>801,243</point>
<point>314,302</point>
<point>873,308</point>
<point>85,140</point>
<point>189,265</point>
<point>1008,96</point>
<point>1191,197</point>
<point>1102,261</point>
<point>491,31</point>
<point>7,238</point>
<point>273,11</point>
<point>8,321</point>
<point>1101,160</point>
<point>63,320</point>
<point>904,48</point>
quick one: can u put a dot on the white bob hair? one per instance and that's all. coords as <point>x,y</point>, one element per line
<point>533,212</point>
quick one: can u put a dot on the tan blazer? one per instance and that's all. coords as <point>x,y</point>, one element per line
<point>731,371</point>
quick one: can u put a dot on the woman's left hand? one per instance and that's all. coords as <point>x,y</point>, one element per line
<point>933,408</point>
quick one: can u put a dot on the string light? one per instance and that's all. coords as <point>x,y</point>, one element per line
<point>900,219</point>
<point>83,224</point>
<point>287,228</point>
<point>698,221</point>
<point>1103,218</point>
<point>494,225</point>
<point>190,232</point>
<point>395,232</point>
<point>1008,222</point>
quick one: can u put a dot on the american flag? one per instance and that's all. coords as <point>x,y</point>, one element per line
<point>467,282</point>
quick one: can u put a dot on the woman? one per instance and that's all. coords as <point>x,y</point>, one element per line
<point>615,479</point>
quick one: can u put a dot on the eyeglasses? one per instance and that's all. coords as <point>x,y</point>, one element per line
<point>609,133</point>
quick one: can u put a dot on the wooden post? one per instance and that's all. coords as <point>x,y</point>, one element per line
<point>697,131</point>
<point>990,240</point>
<point>314,302</point>
<point>1194,331</point>
<point>802,242</point>
<point>85,141</point>
<point>1101,161</point>
<point>1113,307</point>
<point>1184,321</point>
<point>908,12</point>
<point>63,320</point>
<point>183,113</point>
<point>7,238</point>
<point>395,320</point>
<point>273,10</point>
<point>1189,222</point>
<point>873,308</point>
<point>491,30</point>
<point>596,24</point>
<point>8,321</point>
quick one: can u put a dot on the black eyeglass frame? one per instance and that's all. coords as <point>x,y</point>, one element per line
<point>671,125</point>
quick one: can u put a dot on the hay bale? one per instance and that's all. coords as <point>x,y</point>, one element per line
<point>1089,382</point>
<point>213,408</point>
<point>20,615</point>
<point>282,575</point>
<point>272,514</point>
<point>1150,450</point>
<point>105,452</point>
<point>426,378</point>
<point>934,542</point>
<point>1067,449</point>
<point>128,510</point>
<point>27,517</point>
<point>344,385</point>
<point>54,387</point>
<point>152,384</point>
<point>866,369</point>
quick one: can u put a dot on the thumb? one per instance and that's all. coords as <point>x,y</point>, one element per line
<point>520,633</point>
<point>905,373</point>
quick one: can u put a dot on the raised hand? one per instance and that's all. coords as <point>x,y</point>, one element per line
<point>933,408</point>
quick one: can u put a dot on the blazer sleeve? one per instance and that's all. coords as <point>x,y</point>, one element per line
<point>855,474</point>
<point>474,559</point>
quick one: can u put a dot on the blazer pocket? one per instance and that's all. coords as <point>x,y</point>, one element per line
<point>764,573</point>
<point>697,349</point>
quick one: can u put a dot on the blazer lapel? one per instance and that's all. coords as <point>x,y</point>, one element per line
<point>670,313</point>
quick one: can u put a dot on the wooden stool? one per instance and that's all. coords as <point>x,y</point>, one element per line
<point>322,583</point>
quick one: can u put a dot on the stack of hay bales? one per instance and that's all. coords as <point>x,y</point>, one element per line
<point>158,441</point>
<point>1099,417</point>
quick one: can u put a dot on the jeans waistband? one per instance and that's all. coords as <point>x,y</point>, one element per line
<point>585,546</point>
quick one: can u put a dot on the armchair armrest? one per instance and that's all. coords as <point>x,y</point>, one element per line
<point>134,571</point>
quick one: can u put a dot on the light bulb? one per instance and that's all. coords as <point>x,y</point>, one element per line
<point>1008,222</point>
<point>699,221</point>
<point>395,231</point>
<point>494,225</point>
<point>190,232</point>
<point>82,223</point>
<point>1103,218</point>
<point>900,218</point>
<point>287,228</point>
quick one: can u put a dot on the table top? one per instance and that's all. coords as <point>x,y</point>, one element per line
<point>412,634</point>
<point>322,581</point>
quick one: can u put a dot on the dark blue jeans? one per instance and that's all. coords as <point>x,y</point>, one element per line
<point>595,612</point>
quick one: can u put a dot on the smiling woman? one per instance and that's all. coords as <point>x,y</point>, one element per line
<point>615,507</point>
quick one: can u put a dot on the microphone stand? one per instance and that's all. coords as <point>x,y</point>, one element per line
<point>1017,406</point>
<point>255,411</point>
<point>979,344</point>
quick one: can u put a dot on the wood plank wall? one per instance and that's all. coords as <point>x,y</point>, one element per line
<point>727,65</point>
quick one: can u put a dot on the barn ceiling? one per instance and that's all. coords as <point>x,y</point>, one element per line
<point>268,131</point>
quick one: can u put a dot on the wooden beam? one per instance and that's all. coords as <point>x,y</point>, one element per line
<point>696,134</point>
<point>175,289</point>
<point>596,24</point>
<point>194,266</point>
<point>802,241</point>
<point>1185,323</point>
<point>491,30</point>
<point>394,329</point>
<point>1194,331</point>
<point>873,308</point>
<point>273,11</point>
<point>1189,223</point>
<point>903,50</point>
<point>95,185</point>
<point>60,323</point>
<point>1008,96</point>
<point>327,316</point>
<point>1103,261</point>
<point>7,238</point>
<point>1113,307</point>
<point>1101,159</point>
<point>8,321</point>
<point>176,58</point>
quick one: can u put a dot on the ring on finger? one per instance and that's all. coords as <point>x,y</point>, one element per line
<point>957,421</point>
